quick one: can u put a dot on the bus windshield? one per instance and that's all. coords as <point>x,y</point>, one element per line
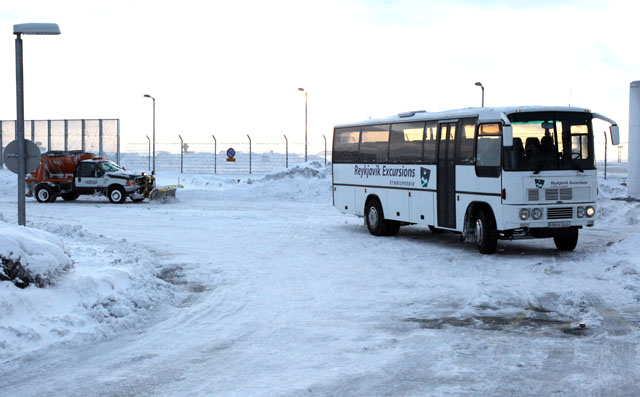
<point>550,141</point>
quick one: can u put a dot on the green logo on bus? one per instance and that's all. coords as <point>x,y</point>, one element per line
<point>425,174</point>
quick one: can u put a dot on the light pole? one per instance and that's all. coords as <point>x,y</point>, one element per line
<point>19,30</point>
<point>305,123</point>
<point>479,84</point>
<point>149,156</point>
<point>153,170</point>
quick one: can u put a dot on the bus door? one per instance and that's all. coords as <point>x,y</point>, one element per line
<point>446,175</point>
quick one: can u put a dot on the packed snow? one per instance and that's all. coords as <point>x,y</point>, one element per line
<point>256,285</point>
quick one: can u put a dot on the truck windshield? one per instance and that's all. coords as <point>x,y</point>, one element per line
<point>109,166</point>
<point>550,141</point>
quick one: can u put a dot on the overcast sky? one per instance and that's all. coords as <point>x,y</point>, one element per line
<point>232,68</point>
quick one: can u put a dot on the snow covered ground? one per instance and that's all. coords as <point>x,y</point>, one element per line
<point>258,286</point>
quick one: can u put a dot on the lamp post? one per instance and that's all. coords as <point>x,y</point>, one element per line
<point>153,170</point>
<point>19,30</point>
<point>479,84</point>
<point>149,156</point>
<point>305,123</point>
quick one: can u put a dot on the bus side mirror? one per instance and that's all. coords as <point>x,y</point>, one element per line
<point>615,134</point>
<point>507,136</point>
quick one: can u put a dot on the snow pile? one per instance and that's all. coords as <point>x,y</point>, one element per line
<point>308,182</point>
<point>31,255</point>
<point>110,288</point>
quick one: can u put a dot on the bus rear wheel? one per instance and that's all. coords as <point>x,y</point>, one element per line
<point>486,233</point>
<point>567,242</point>
<point>377,225</point>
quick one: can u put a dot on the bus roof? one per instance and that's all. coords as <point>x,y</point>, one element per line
<point>483,114</point>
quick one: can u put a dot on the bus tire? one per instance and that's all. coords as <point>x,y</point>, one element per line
<point>566,242</point>
<point>117,195</point>
<point>375,217</point>
<point>486,233</point>
<point>45,194</point>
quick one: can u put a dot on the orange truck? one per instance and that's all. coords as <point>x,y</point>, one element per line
<point>69,174</point>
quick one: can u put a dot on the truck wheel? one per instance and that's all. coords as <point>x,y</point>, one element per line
<point>117,195</point>
<point>45,194</point>
<point>486,234</point>
<point>70,196</point>
<point>567,242</point>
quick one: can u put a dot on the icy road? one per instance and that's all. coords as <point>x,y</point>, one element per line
<point>264,289</point>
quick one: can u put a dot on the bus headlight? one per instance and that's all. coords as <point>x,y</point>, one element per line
<point>536,213</point>
<point>580,212</point>
<point>590,211</point>
<point>524,214</point>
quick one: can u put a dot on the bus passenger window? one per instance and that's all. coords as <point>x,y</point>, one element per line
<point>345,145</point>
<point>405,143</point>
<point>430,142</point>
<point>488,153</point>
<point>374,144</point>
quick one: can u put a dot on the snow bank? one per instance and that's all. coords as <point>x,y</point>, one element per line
<point>39,255</point>
<point>113,286</point>
<point>308,182</point>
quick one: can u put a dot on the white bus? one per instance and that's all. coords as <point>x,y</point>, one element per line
<point>487,173</point>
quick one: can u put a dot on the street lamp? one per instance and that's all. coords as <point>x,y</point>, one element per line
<point>305,123</point>
<point>153,170</point>
<point>479,84</point>
<point>149,156</point>
<point>19,30</point>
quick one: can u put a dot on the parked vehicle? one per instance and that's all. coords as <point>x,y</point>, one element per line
<point>69,174</point>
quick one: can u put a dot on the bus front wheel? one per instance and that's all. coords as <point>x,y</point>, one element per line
<point>485,231</point>
<point>567,242</point>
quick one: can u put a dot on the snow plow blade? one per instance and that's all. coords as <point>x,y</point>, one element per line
<point>164,193</point>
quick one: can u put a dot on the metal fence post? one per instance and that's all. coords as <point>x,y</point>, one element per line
<point>33,131</point>
<point>66,135</point>
<point>325,150</point>
<point>249,153</point>
<point>286,151</point>
<point>48,135</point>
<point>84,132</point>
<point>181,152</point>
<point>149,156</point>
<point>215,154</point>
<point>100,147</point>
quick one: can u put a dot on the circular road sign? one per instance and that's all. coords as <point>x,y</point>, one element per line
<point>231,153</point>
<point>10,156</point>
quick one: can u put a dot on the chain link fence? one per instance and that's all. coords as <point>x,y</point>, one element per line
<point>209,158</point>
<point>100,136</point>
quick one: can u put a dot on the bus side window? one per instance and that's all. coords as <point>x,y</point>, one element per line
<point>488,150</point>
<point>345,144</point>
<point>430,142</point>
<point>405,143</point>
<point>374,144</point>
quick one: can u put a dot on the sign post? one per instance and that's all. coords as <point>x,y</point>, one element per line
<point>231,153</point>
